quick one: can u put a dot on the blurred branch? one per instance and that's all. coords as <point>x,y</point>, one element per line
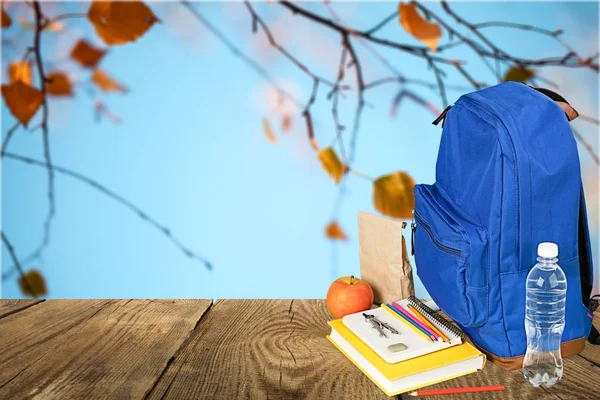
<point>49,21</point>
<point>238,53</point>
<point>7,138</point>
<point>36,49</point>
<point>119,199</point>
<point>586,118</point>
<point>308,117</point>
<point>588,147</point>
<point>335,96</point>
<point>380,25</point>
<point>570,59</point>
<point>11,251</point>
<point>257,21</point>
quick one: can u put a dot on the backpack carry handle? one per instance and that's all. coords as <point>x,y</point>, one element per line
<point>564,105</point>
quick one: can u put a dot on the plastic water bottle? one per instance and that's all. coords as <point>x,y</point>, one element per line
<point>545,318</point>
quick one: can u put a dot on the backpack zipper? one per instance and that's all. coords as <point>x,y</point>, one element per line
<point>437,243</point>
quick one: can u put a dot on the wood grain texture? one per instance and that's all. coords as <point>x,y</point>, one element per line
<point>8,307</point>
<point>591,352</point>
<point>516,386</point>
<point>261,349</point>
<point>580,379</point>
<point>82,349</point>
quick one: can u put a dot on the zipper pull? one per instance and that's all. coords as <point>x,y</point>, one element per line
<point>413,228</point>
<point>442,116</point>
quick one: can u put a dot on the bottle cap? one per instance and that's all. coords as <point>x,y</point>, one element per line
<point>548,250</point>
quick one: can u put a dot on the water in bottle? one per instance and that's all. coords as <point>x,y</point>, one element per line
<point>545,318</point>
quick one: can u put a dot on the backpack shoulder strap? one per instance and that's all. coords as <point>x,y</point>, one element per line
<point>586,268</point>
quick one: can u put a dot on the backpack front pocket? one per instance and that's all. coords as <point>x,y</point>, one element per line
<point>452,257</point>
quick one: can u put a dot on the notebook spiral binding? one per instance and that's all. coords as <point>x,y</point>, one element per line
<point>440,321</point>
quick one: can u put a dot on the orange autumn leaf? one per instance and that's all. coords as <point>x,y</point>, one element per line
<point>286,123</point>
<point>335,232</point>
<point>59,84</point>
<point>268,131</point>
<point>20,71</point>
<point>332,164</point>
<point>33,284</point>
<point>393,195</point>
<point>418,27</point>
<point>519,74</point>
<point>106,83</point>
<point>22,100</point>
<point>119,22</point>
<point>6,20</point>
<point>86,54</point>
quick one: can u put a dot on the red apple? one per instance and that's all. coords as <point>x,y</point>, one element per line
<point>348,295</point>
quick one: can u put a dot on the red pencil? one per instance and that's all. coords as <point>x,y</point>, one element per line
<point>435,392</point>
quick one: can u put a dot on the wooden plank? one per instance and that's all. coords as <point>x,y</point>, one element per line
<point>491,375</point>
<point>81,349</point>
<point>579,379</point>
<point>263,349</point>
<point>8,307</point>
<point>592,352</point>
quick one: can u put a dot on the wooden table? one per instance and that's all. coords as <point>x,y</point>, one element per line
<point>194,349</point>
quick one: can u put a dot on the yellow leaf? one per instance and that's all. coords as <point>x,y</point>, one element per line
<point>22,100</point>
<point>6,20</point>
<point>286,123</point>
<point>106,83</point>
<point>55,26</point>
<point>59,84</point>
<point>418,27</point>
<point>335,232</point>
<point>20,71</point>
<point>119,22</point>
<point>332,164</point>
<point>33,284</point>
<point>25,24</point>
<point>393,194</point>
<point>519,74</point>
<point>268,131</point>
<point>86,54</point>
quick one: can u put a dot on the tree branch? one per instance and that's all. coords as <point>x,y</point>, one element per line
<point>586,145</point>
<point>383,23</point>
<point>116,197</point>
<point>11,251</point>
<point>238,53</point>
<point>335,94</point>
<point>256,20</point>
<point>39,25</point>
<point>8,137</point>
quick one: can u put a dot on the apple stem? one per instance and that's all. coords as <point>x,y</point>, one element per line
<point>352,279</point>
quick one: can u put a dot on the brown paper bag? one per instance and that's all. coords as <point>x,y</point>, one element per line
<point>384,262</point>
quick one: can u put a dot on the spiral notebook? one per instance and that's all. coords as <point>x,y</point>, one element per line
<point>411,374</point>
<point>416,344</point>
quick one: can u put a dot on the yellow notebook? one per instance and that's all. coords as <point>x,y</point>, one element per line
<point>410,374</point>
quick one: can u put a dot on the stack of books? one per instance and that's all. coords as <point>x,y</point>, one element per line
<point>404,346</point>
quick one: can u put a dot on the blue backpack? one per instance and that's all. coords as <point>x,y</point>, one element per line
<point>507,179</point>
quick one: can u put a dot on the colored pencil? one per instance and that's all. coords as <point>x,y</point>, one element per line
<point>414,320</point>
<point>429,324</point>
<point>435,392</point>
<point>408,322</point>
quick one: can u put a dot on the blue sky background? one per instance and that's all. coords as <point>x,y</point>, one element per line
<point>191,152</point>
